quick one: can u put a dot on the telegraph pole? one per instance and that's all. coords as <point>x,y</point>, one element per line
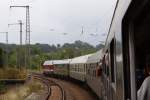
<point>27,41</point>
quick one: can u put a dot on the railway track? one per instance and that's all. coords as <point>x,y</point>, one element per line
<point>51,86</point>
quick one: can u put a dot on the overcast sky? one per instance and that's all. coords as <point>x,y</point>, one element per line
<point>51,18</point>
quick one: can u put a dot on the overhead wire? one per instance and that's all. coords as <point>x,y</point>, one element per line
<point>29,2</point>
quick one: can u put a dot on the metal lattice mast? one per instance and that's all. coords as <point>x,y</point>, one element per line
<point>19,50</point>
<point>27,37</point>
<point>27,41</point>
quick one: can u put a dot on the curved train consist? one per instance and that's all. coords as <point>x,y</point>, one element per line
<point>116,72</point>
<point>85,69</point>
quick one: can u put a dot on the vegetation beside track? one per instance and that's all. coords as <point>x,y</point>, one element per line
<point>3,88</point>
<point>22,91</point>
<point>42,52</point>
<point>35,86</point>
<point>12,73</point>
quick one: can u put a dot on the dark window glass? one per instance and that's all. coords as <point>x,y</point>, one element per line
<point>112,61</point>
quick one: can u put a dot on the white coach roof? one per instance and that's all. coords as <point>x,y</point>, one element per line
<point>81,59</point>
<point>95,57</point>
<point>57,62</point>
<point>64,61</point>
<point>49,62</point>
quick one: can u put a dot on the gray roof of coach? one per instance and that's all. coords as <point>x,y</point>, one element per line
<point>64,61</point>
<point>80,59</point>
<point>49,62</point>
<point>95,57</point>
<point>53,62</point>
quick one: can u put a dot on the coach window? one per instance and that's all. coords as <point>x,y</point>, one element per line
<point>84,67</point>
<point>139,39</point>
<point>73,67</point>
<point>88,69</point>
<point>104,65</point>
<point>79,68</point>
<point>141,43</point>
<point>76,67</point>
<point>93,73</point>
<point>112,60</point>
<point>107,64</point>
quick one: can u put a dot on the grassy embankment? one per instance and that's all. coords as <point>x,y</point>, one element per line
<point>12,74</point>
<point>22,92</point>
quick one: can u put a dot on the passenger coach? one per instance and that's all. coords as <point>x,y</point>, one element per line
<point>93,72</point>
<point>78,67</point>
<point>62,68</point>
<point>126,49</point>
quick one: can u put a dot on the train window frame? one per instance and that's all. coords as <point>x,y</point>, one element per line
<point>142,22</point>
<point>82,68</point>
<point>85,67</point>
<point>78,69</point>
<point>112,59</point>
<point>94,72</point>
<point>104,64</point>
<point>88,70</point>
<point>129,26</point>
<point>107,64</point>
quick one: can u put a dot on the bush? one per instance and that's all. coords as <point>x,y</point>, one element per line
<point>12,73</point>
<point>35,87</point>
<point>2,87</point>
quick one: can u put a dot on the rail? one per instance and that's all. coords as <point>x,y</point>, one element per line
<point>49,83</point>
